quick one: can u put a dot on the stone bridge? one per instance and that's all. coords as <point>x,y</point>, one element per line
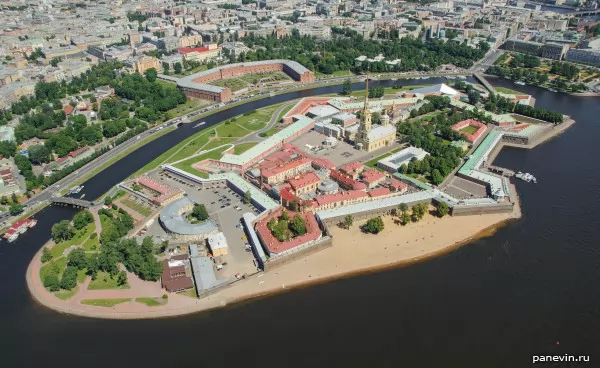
<point>66,201</point>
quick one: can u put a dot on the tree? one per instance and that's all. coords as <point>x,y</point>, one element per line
<point>77,259</point>
<point>151,75</point>
<point>39,153</point>
<point>108,200</point>
<point>419,210</point>
<point>122,278</point>
<point>14,198</point>
<point>69,278</point>
<point>284,216</point>
<point>62,231</point>
<point>347,89</point>
<point>15,209</point>
<point>4,200</point>
<point>177,68</point>
<point>348,221</point>
<point>46,255</point>
<point>82,218</point>
<point>51,282</point>
<point>200,212</point>
<point>442,209</point>
<point>8,148</point>
<point>297,225</point>
<point>403,207</point>
<point>405,218</point>
<point>247,197</point>
<point>374,225</point>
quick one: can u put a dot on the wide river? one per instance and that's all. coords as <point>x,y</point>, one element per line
<point>531,289</point>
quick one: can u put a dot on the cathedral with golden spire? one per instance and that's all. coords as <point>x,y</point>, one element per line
<point>372,137</point>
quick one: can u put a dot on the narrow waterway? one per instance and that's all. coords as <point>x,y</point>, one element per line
<point>530,289</point>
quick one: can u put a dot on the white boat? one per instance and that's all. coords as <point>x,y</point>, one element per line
<point>199,124</point>
<point>83,195</point>
<point>520,83</point>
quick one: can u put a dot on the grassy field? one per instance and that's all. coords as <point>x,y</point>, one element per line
<point>508,91</point>
<point>264,77</point>
<point>91,245</point>
<point>105,302</point>
<point>66,294</point>
<point>243,147</point>
<point>80,236</point>
<point>104,281</point>
<point>187,164</point>
<point>187,107</point>
<point>152,302</point>
<point>468,129</point>
<point>191,71</point>
<point>138,207</point>
<point>284,111</point>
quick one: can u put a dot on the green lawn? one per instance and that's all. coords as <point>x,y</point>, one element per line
<point>91,245</point>
<point>284,111</point>
<point>80,236</point>
<point>269,132</point>
<point>468,129</point>
<point>187,107</point>
<point>81,275</point>
<point>508,91</point>
<point>231,130</point>
<point>138,207</point>
<point>265,77</point>
<point>152,302</point>
<point>104,281</point>
<point>104,302</point>
<point>187,164</point>
<point>243,147</point>
<point>66,294</point>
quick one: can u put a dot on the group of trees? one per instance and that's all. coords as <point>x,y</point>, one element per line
<point>62,231</point>
<point>115,226</point>
<point>137,258</point>
<point>376,92</point>
<point>283,228</point>
<point>339,53</point>
<point>526,68</point>
<point>472,93</point>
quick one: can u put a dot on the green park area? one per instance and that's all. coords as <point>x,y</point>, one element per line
<point>141,208</point>
<point>152,302</point>
<point>186,165</point>
<point>508,91</point>
<point>105,281</point>
<point>226,132</point>
<point>243,147</point>
<point>105,302</point>
<point>469,129</point>
<point>79,237</point>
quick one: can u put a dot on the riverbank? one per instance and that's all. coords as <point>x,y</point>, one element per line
<point>353,252</point>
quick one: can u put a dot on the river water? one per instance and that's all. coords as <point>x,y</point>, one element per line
<point>531,289</point>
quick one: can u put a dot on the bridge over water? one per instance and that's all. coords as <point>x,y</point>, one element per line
<point>66,201</point>
<point>485,83</point>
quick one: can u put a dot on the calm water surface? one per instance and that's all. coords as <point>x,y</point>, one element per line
<point>531,289</point>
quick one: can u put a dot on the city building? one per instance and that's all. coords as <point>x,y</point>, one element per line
<point>393,162</point>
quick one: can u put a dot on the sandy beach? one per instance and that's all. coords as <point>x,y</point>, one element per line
<point>353,252</point>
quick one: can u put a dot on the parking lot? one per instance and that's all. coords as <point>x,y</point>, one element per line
<point>225,208</point>
<point>340,154</point>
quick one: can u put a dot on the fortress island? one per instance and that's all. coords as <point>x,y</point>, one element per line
<point>301,192</point>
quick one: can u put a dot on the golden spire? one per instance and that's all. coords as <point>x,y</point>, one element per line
<point>367,92</point>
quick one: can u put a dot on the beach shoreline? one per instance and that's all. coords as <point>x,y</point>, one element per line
<point>348,257</point>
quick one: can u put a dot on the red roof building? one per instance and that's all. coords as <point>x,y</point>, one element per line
<point>397,186</point>
<point>68,109</point>
<point>379,192</point>
<point>352,169</point>
<point>286,171</point>
<point>372,177</point>
<point>330,201</point>
<point>305,184</point>
<point>276,247</point>
<point>470,123</point>
<point>346,182</point>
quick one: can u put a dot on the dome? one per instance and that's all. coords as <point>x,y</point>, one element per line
<point>328,186</point>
